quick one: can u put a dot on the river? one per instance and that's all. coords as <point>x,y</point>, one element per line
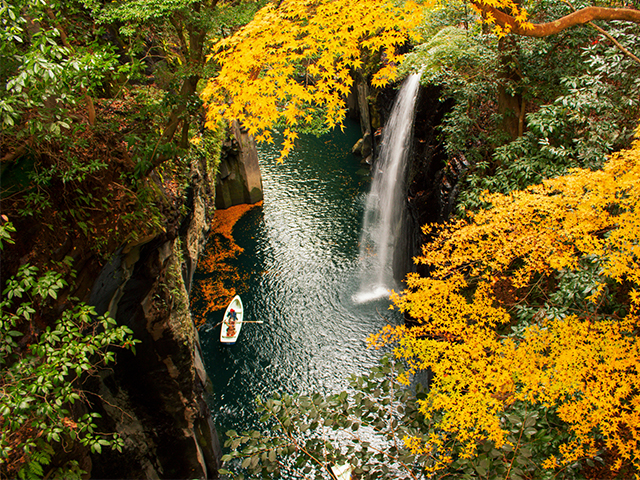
<point>301,255</point>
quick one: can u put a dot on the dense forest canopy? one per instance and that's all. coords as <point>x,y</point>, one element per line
<point>528,317</point>
<point>101,127</point>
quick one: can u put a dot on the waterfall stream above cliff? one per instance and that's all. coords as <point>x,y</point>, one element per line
<point>383,217</point>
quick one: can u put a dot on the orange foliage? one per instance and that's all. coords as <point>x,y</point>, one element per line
<point>214,292</point>
<point>576,351</point>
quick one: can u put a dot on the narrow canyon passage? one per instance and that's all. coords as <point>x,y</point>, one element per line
<point>302,266</point>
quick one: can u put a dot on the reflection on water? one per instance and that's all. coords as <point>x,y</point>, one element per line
<point>219,278</point>
<point>301,257</point>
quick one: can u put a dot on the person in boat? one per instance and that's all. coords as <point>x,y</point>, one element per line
<point>231,323</point>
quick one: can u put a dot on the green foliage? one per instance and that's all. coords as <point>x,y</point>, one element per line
<point>446,14</point>
<point>170,40</point>
<point>70,171</point>
<point>219,19</point>
<point>228,17</point>
<point>42,375</point>
<point>311,434</point>
<point>376,428</point>
<point>6,228</point>
<point>465,64</point>
<point>44,77</point>
<point>206,147</point>
<point>593,109</point>
<point>71,154</point>
<point>451,51</point>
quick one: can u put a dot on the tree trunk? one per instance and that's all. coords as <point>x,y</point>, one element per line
<point>179,115</point>
<point>510,104</point>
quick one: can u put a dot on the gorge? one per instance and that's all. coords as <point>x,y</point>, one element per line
<point>134,200</point>
<point>305,254</point>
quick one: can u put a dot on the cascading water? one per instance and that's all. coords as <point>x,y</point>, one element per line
<point>385,203</point>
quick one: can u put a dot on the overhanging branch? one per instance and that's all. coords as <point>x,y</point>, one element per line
<point>579,17</point>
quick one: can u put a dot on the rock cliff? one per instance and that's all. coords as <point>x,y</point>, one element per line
<point>157,399</point>
<point>239,179</point>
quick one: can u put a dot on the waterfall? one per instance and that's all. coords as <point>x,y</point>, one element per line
<point>385,204</point>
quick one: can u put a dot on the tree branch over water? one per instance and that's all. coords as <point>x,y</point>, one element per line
<point>579,17</point>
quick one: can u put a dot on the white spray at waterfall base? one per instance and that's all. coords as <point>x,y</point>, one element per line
<point>383,217</point>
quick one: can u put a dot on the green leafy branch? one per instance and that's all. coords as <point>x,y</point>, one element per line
<point>310,435</point>
<point>42,376</point>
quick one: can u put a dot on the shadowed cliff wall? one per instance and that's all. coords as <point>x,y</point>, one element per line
<point>239,179</point>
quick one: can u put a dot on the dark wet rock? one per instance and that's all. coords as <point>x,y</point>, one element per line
<point>239,179</point>
<point>156,400</point>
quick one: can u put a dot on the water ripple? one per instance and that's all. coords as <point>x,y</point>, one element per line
<point>301,255</point>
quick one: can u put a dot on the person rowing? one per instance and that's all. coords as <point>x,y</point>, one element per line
<point>231,323</point>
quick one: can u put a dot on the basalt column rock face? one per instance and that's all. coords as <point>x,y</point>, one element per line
<point>156,399</point>
<point>239,180</point>
<point>432,179</point>
<point>358,108</point>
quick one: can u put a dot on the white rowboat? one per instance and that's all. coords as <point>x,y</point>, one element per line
<point>232,321</point>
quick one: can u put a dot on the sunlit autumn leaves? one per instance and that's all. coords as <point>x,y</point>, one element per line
<point>293,62</point>
<point>221,278</point>
<point>573,352</point>
<point>514,9</point>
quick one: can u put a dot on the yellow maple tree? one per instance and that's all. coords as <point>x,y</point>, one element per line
<point>534,301</point>
<point>294,61</point>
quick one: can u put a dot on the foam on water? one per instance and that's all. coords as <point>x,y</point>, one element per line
<point>376,293</point>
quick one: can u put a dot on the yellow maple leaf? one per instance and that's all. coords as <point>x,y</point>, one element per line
<point>260,64</point>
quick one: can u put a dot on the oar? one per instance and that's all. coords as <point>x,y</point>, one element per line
<point>248,321</point>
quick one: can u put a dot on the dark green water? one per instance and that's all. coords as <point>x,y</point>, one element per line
<point>301,254</point>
